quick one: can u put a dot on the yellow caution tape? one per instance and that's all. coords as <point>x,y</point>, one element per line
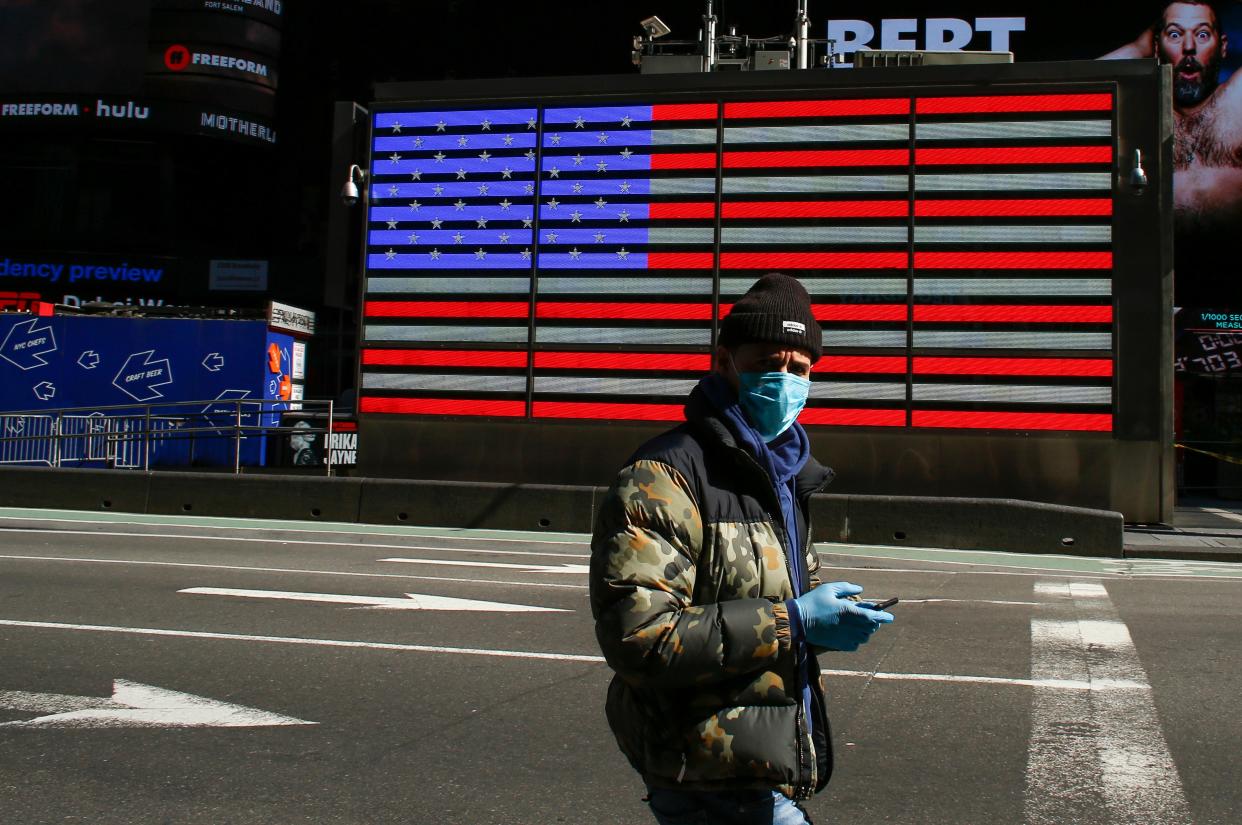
<point>1229,458</point>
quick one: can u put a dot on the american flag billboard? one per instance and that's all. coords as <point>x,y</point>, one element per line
<point>568,261</point>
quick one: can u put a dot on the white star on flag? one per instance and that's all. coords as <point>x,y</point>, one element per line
<point>486,124</point>
<point>530,124</point>
<point>458,237</point>
<point>390,254</point>
<point>459,204</point>
<point>438,189</point>
<point>601,203</point>
<point>623,216</point>
<point>576,217</point>
<point>505,204</point>
<point>392,224</point>
<point>482,222</point>
<point>552,204</point>
<point>416,175</point>
<point>575,254</point>
<point>508,140</point>
<point>504,237</point>
<point>601,167</point>
<point>396,128</point>
<point>577,188</point>
<point>483,188</point>
<point>484,156</point>
<point>625,186</point>
<point>528,188</point>
<point>625,153</point>
<point>578,158</point>
<point>463,140</point>
<point>414,206</point>
<point>554,172</point>
<point>440,126</point>
<point>436,223</point>
<point>413,238</point>
<point>394,157</point>
<point>418,142</point>
<point>439,156</point>
<point>602,137</point>
<point>625,121</point>
<point>526,222</point>
<point>556,140</point>
<point>435,254</point>
<point>551,236</point>
<point>599,237</point>
<point>622,253</point>
<point>530,154</point>
<point>461,174</point>
<point>480,254</point>
<point>392,190</point>
<point>506,173</point>
<point>525,254</point>
<point>579,122</point>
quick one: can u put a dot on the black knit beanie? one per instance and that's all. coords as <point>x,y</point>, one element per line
<point>776,309</point>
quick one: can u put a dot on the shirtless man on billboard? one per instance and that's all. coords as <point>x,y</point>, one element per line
<point>1207,114</point>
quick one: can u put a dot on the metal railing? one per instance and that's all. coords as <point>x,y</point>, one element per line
<point>224,432</point>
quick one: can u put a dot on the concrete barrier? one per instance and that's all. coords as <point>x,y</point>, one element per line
<point>961,523</point>
<point>968,524</point>
<point>44,487</point>
<point>480,506</point>
<point>302,498</point>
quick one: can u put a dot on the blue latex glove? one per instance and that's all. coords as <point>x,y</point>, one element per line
<point>830,620</point>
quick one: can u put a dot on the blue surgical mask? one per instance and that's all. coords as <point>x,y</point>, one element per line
<point>772,400</point>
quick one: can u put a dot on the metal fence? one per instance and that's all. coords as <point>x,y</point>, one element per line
<point>217,432</point>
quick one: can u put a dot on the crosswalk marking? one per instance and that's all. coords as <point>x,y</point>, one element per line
<point>1094,755</point>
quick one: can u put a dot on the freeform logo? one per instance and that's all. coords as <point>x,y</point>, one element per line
<point>178,58</point>
<point>39,110</point>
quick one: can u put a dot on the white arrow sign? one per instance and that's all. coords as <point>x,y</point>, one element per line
<point>529,568</point>
<point>135,705</point>
<point>411,601</point>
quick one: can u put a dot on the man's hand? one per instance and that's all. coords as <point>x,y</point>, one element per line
<point>833,621</point>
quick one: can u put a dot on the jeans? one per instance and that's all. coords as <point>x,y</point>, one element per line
<point>751,807</point>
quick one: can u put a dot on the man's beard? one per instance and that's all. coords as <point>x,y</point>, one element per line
<point>1192,92</point>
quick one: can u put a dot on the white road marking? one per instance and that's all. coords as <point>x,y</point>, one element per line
<point>349,544</point>
<point>1056,684</point>
<point>136,705</point>
<point>240,637</point>
<point>1094,751</point>
<point>200,566</point>
<point>968,601</point>
<point>529,568</point>
<point>412,601</point>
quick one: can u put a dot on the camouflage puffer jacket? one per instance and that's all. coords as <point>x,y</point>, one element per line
<point>689,580</point>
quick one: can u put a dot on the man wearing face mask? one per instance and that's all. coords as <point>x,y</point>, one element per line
<point>704,588</point>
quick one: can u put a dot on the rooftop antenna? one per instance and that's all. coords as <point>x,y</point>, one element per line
<point>802,26</point>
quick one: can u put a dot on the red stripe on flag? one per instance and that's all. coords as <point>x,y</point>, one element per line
<point>442,406</point>
<point>687,160</point>
<point>441,358</point>
<point>632,311</point>
<point>814,209</point>
<point>861,364</point>
<point>622,361</point>
<point>819,108</point>
<point>813,157</point>
<point>1092,422</point>
<point>447,309</point>
<point>1013,260</point>
<point>813,260</point>
<point>684,111</point>
<point>1012,154</point>
<point>681,211</point>
<point>1002,314</point>
<point>1017,207</point>
<point>852,418</point>
<point>1099,102</point>
<point>680,260</point>
<point>619,412</point>
<point>1067,367</point>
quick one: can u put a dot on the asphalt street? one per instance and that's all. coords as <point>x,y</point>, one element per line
<point>193,670</point>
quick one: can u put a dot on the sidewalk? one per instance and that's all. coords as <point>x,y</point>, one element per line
<point>1202,529</point>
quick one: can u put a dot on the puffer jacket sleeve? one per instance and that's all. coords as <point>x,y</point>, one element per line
<point>644,553</point>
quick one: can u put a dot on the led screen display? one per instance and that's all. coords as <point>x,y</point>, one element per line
<point>569,262</point>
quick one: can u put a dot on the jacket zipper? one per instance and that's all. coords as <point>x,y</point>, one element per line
<point>803,789</point>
